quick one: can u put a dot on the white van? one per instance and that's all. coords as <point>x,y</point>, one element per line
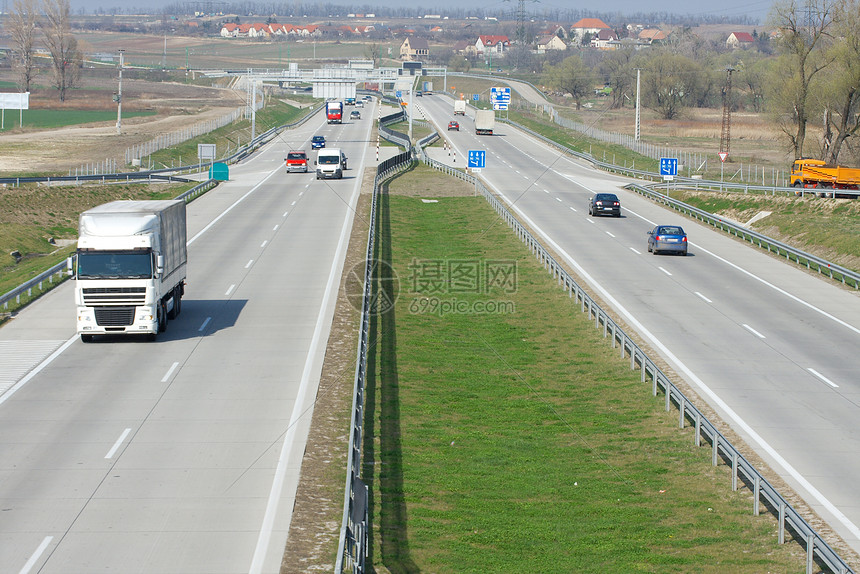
<point>331,163</point>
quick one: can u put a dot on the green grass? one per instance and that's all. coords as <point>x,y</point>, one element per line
<point>229,138</point>
<point>46,119</point>
<point>829,228</point>
<point>519,441</point>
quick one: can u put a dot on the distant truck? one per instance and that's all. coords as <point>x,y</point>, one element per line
<point>816,174</point>
<point>131,268</point>
<point>459,107</point>
<point>334,112</point>
<point>485,121</point>
<point>349,101</point>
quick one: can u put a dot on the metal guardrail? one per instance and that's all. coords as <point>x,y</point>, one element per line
<point>834,271</point>
<point>58,271</point>
<point>789,520</point>
<point>353,543</point>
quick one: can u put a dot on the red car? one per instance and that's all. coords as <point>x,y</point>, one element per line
<point>297,161</point>
<point>453,126</point>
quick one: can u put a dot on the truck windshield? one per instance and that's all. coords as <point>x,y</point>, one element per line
<point>114,264</point>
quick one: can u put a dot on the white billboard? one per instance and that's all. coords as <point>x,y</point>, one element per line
<point>16,101</point>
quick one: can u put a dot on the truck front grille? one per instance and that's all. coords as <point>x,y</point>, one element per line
<point>114,316</point>
<point>114,296</point>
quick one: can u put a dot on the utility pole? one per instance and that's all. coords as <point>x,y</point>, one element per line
<point>118,96</point>
<point>726,131</point>
<point>638,118</point>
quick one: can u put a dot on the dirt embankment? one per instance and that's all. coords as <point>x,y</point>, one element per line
<point>176,106</point>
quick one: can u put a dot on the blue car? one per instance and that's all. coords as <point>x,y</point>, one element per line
<point>667,238</point>
<point>318,142</point>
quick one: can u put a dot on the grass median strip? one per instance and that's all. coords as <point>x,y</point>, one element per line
<point>505,435</point>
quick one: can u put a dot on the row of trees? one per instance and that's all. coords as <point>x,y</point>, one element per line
<point>813,72</point>
<point>48,20</point>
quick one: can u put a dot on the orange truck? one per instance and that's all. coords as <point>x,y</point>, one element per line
<point>816,174</point>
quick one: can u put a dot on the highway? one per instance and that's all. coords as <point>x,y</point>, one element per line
<point>773,349</point>
<point>183,455</point>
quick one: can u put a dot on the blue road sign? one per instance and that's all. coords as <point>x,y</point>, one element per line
<point>399,94</point>
<point>477,158</point>
<point>669,166</point>
<point>476,97</point>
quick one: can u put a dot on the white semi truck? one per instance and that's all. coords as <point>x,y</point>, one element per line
<point>459,107</point>
<point>131,267</point>
<point>485,121</point>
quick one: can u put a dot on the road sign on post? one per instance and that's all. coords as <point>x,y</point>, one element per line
<point>500,98</point>
<point>723,156</point>
<point>476,97</point>
<point>668,167</point>
<point>477,158</point>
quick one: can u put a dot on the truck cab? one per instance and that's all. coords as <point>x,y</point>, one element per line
<point>331,163</point>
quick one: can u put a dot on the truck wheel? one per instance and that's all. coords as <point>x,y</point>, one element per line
<point>177,306</point>
<point>162,317</point>
<point>86,338</point>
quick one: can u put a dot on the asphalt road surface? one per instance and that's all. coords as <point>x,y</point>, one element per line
<point>183,455</point>
<point>772,348</point>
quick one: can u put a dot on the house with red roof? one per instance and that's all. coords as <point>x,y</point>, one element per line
<point>739,40</point>
<point>492,44</point>
<point>590,26</point>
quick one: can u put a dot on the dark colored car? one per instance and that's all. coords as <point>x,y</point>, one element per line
<point>418,93</point>
<point>667,238</point>
<point>604,204</point>
<point>355,115</point>
<point>318,142</point>
<point>453,126</point>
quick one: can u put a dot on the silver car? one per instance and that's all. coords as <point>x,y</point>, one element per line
<point>667,238</point>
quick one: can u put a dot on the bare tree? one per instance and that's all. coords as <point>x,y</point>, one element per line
<point>671,82</point>
<point>61,44</point>
<point>572,77</point>
<point>840,94</point>
<point>803,32</point>
<point>22,28</point>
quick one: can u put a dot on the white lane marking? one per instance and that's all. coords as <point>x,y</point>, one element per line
<point>753,331</point>
<point>18,357</point>
<point>249,263</point>
<point>275,228</point>
<point>203,326</point>
<point>609,234</point>
<point>35,556</point>
<point>262,245</point>
<point>230,289</point>
<point>823,378</point>
<point>300,407</point>
<point>117,444</point>
<point>591,221</point>
<point>546,191</point>
<point>766,283</point>
<point>573,209</point>
<point>302,192</point>
<point>8,394</point>
<point>286,213</point>
<point>754,436</point>
<point>664,271</point>
<point>636,251</point>
<point>292,204</point>
<point>229,209</point>
<point>558,199</point>
<point>703,297</point>
<point>167,375</point>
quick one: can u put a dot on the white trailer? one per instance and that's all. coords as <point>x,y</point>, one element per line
<point>485,121</point>
<point>459,107</point>
<point>131,268</point>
